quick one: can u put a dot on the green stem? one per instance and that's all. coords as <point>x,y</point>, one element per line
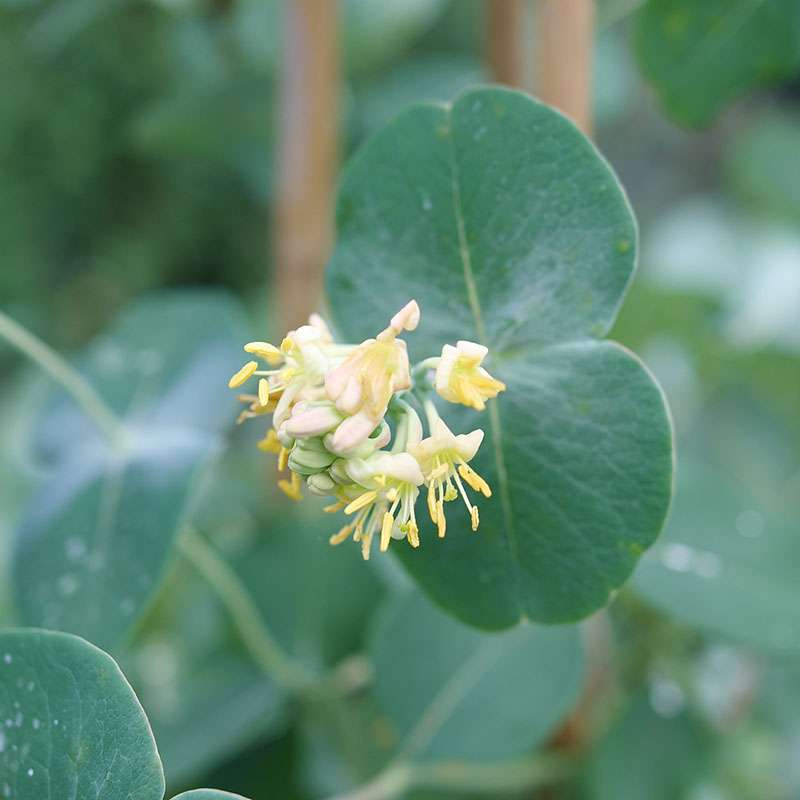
<point>67,376</point>
<point>260,643</point>
<point>475,778</point>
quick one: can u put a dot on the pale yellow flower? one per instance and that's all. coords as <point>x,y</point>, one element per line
<point>460,378</point>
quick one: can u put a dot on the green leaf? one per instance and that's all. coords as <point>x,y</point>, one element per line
<point>726,564</point>
<point>95,540</point>
<point>436,678</point>
<point>72,725</point>
<point>700,56</point>
<point>506,225</point>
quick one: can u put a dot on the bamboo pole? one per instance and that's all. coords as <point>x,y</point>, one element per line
<point>503,20</point>
<point>307,156</point>
<point>563,54</point>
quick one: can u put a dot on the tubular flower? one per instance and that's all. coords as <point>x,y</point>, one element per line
<point>444,458</point>
<point>386,489</point>
<point>363,384</point>
<point>343,427</point>
<point>460,378</point>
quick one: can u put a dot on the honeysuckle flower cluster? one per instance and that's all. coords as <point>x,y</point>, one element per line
<point>344,425</point>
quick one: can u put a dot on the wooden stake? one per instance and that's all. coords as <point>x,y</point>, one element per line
<point>307,157</point>
<point>504,41</point>
<point>564,48</point>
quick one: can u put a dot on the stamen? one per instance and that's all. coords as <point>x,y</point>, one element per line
<point>334,507</point>
<point>386,531</point>
<point>270,443</point>
<point>343,534</point>
<point>475,517</point>
<point>291,488</point>
<point>283,458</point>
<point>365,543</point>
<point>264,350</point>
<point>474,480</point>
<point>263,391</point>
<point>432,502</point>
<point>441,522</point>
<point>412,534</point>
<point>364,500</point>
<point>243,374</point>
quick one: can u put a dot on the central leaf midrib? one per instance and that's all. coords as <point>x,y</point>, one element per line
<point>495,423</point>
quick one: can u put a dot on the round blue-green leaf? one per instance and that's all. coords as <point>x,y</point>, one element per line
<point>71,724</point>
<point>495,213</point>
<point>701,55</point>
<point>94,542</point>
<point>454,693</point>
<point>510,229</point>
<point>208,794</point>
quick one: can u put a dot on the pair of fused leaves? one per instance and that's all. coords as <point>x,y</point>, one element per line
<point>73,726</point>
<point>509,228</point>
<point>701,55</point>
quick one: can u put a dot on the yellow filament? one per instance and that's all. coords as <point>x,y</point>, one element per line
<point>243,374</point>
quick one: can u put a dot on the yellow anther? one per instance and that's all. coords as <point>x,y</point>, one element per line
<point>343,534</point>
<point>386,531</point>
<point>283,458</point>
<point>412,534</point>
<point>263,391</point>
<point>265,350</point>
<point>361,501</point>
<point>432,502</point>
<point>334,507</point>
<point>441,522</point>
<point>243,374</point>
<point>291,488</point>
<point>475,517</point>
<point>474,480</point>
<point>450,493</point>
<point>270,443</point>
<point>365,543</point>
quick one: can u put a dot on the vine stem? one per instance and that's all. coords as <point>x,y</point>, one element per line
<point>256,636</point>
<point>490,778</point>
<point>67,376</point>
